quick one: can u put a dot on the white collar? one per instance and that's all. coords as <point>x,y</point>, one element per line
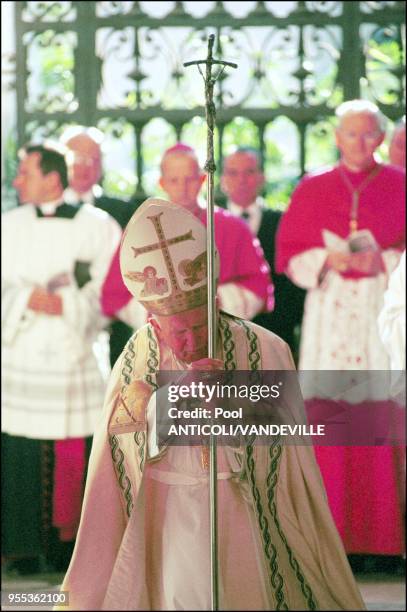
<point>49,208</point>
<point>236,209</point>
<point>73,197</point>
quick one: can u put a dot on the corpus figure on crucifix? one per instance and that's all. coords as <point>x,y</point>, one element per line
<point>144,533</point>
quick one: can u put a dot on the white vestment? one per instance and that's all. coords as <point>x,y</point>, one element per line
<point>143,542</point>
<point>339,328</point>
<point>392,319</point>
<point>392,326</point>
<point>53,386</point>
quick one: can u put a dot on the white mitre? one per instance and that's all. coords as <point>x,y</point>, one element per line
<point>163,258</point>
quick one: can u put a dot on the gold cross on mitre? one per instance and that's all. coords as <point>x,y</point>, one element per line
<point>168,244</point>
<point>163,244</point>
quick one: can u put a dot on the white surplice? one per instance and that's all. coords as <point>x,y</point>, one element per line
<point>53,386</point>
<point>339,328</point>
<point>392,318</point>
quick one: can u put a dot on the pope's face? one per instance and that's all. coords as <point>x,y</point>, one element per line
<point>182,179</point>
<point>186,333</point>
<point>357,139</point>
<point>397,149</point>
<point>242,179</point>
<point>85,166</point>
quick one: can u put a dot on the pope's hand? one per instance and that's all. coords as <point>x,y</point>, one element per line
<point>204,370</point>
<point>207,364</point>
<point>201,365</point>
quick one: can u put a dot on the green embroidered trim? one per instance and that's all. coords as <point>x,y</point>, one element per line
<point>152,365</point>
<point>128,359</point>
<point>242,473</point>
<point>254,351</point>
<point>270,551</point>
<point>152,360</point>
<point>228,344</point>
<point>275,454</point>
<point>140,440</point>
<point>124,481</point>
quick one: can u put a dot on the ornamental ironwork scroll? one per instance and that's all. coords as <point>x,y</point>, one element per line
<point>118,65</point>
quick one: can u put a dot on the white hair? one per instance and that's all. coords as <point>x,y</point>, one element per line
<point>78,130</point>
<point>355,107</point>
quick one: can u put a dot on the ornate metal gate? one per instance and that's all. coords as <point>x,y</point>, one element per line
<point>119,66</point>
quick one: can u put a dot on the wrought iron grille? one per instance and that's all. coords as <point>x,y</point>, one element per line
<point>119,67</point>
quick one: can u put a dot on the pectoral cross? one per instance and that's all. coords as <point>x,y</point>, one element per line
<point>353,221</point>
<point>355,193</point>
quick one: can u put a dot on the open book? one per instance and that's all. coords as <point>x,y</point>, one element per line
<point>363,240</point>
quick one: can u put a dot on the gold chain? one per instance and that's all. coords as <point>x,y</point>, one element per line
<point>355,193</point>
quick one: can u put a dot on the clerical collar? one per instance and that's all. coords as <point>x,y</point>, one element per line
<point>238,210</point>
<point>60,210</point>
<point>49,208</point>
<point>75,198</point>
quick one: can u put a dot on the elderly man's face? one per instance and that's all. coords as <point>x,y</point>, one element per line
<point>182,179</point>
<point>242,179</point>
<point>185,333</point>
<point>397,149</point>
<point>357,138</point>
<point>85,167</point>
